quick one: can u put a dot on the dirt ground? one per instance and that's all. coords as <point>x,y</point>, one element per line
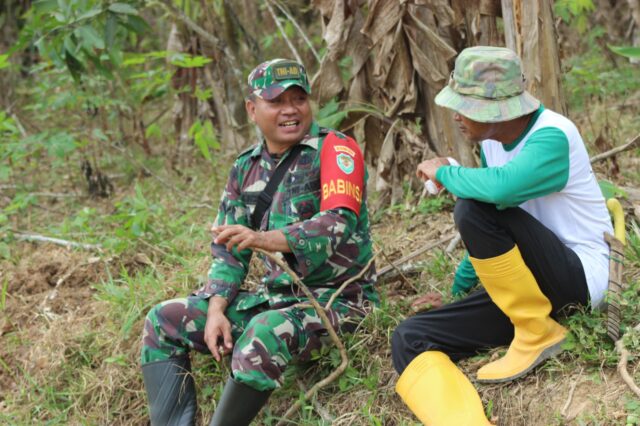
<point>51,290</point>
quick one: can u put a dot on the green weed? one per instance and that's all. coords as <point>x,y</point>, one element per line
<point>131,297</point>
<point>3,295</point>
<point>440,266</point>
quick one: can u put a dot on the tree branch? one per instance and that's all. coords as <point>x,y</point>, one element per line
<point>330,330</point>
<point>299,28</point>
<point>284,35</point>
<point>616,150</point>
<point>344,285</point>
<point>622,364</point>
<point>415,253</point>
<point>43,239</point>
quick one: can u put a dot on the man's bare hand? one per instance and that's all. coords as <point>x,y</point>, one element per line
<point>217,329</point>
<point>428,168</point>
<point>427,301</point>
<point>237,235</point>
<point>241,237</point>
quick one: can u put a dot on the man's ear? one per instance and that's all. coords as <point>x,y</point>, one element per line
<point>250,106</point>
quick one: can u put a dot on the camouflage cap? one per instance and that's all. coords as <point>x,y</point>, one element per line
<point>487,86</point>
<point>271,78</point>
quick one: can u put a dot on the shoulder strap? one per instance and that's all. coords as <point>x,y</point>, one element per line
<point>266,196</point>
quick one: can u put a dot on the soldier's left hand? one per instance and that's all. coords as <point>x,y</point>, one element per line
<point>237,235</point>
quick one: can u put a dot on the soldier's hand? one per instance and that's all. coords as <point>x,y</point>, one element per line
<point>217,330</point>
<point>237,235</point>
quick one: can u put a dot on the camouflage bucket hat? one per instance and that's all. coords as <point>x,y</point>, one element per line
<point>487,86</point>
<point>270,79</point>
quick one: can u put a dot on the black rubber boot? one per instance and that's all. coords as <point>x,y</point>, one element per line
<point>238,405</point>
<point>171,392</point>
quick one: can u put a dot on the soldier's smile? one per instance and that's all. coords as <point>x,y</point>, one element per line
<point>283,120</point>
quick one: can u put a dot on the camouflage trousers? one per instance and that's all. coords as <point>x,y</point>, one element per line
<point>265,340</point>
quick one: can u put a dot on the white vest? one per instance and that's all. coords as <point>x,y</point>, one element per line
<point>577,214</point>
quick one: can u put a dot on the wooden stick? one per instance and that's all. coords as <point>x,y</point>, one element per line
<point>344,285</point>
<point>326,416</point>
<point>43,239</point>
<point>570,397</point>
<point>330,330</point>
<point>454,243</point>
<point>622,364</point>
<point>616,150</point>
<point>284,34</point>
<point>398,270</point>
<point>414,254</point>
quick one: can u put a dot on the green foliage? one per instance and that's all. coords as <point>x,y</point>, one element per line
<point>588,339</point>
<point>627,51</point>
<point>81,35</point>
<point>633,412</point>
<point>589,76</point>
<point>610,190</point>
<point>204,137</point>
<point>575,11</point>
<point>3,294</point>
<point>131,297</point>
<point>331,115</point>
<point>430,205</point>
<point>633,244</point>
<point>135,217</point>
<point>441,266</point>
<point>11,151</point>
<point>4,61</point>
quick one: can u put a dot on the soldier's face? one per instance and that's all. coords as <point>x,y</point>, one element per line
<point>283,121</point>
<point>474,130</point>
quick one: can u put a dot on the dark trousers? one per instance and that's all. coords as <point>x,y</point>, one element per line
<point>463,328</point>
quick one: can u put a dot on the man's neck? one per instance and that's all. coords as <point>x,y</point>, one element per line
<point>277,150</point>
<point>511,130</point>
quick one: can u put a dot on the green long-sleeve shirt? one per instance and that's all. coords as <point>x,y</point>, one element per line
<point>540,168</point>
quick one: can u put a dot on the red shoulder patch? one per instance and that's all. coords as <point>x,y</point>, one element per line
<point>341,174</point>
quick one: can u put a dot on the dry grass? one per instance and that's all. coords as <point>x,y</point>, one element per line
<point>72,364</point>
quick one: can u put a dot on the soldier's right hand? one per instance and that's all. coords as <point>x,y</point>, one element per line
<point>217,332</point>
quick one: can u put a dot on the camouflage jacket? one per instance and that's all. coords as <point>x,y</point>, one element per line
<point>329,247</point>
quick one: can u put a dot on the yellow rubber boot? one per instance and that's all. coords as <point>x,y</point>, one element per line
<point>512,287</point>
<point>439,394</point>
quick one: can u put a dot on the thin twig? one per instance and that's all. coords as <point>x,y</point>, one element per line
<point>344,285</point>
<point>326,416</point>
<point>54,194</point>
<point>158,117</point>
<point>284,34</point>
<point>302,33</point>
<point>23,132</point>
<point>330,330</point>
<point>570,397</point>
<point>397,269</point>
<point>43,239</point>
<point>454,243</point>
<point>414,254</point>
<point>622,364</point>
<point>616,150</point>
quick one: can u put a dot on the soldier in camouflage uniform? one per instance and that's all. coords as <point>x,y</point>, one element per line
<point>532,219</point>
<point>317,219</point>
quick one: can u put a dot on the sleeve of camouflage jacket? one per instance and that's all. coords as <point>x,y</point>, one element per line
<point>315,240</point>
<point>228,269</point>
